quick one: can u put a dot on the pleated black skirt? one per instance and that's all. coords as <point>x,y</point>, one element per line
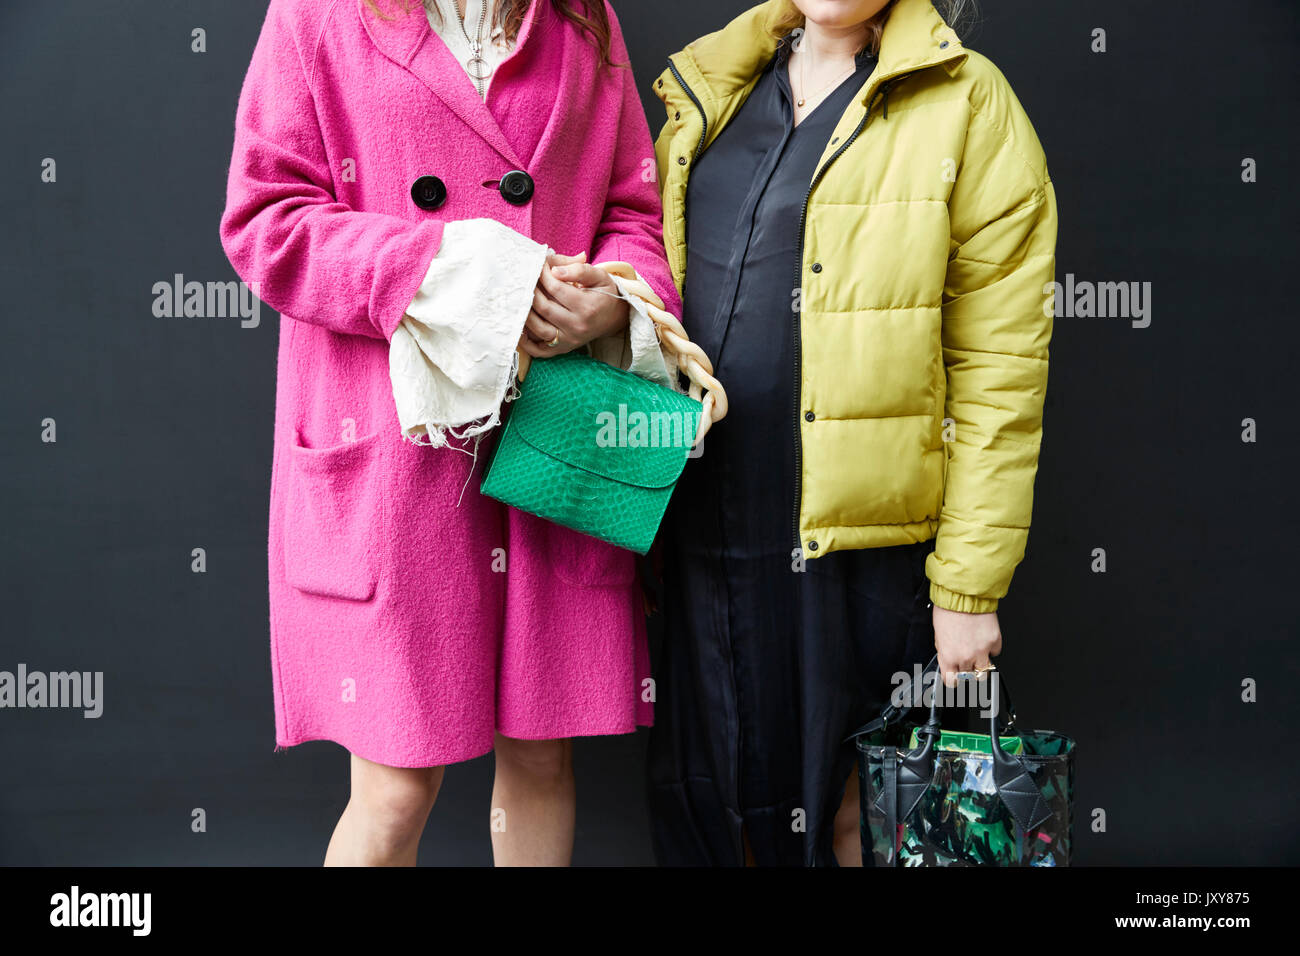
<point>763,671</point>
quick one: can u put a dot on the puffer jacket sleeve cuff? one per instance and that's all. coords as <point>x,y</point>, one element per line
<point>940,596</point>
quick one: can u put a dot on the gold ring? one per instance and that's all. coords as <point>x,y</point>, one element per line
<point>554,342</point>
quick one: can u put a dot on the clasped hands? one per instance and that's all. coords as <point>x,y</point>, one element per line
<point>574,303</point>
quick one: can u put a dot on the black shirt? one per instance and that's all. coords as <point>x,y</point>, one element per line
<point>743,205</point>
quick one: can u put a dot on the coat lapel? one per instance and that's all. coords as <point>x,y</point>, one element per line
<point>410,42</point>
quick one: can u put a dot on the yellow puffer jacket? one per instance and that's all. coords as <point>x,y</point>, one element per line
<point>925,300</point>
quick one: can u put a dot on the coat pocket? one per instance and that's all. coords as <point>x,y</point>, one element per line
<point>332,508</point>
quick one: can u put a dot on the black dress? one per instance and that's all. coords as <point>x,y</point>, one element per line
<point>764,668</point>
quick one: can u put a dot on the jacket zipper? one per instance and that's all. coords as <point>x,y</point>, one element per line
<point>704,119</point>
<point>798,279</point>
<point>699,148</point>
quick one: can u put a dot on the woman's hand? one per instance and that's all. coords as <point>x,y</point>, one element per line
<point>965,642</point>
<point>571,307</point>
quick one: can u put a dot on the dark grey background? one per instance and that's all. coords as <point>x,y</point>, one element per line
<point>164,444</point>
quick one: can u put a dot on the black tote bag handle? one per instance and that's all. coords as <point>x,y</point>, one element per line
<point>891,714</point>
<point>1011,776</point>
<point>1015,785</point>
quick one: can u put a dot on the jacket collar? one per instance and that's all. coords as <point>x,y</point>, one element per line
<point>725,63</point>
<point>410,42</point>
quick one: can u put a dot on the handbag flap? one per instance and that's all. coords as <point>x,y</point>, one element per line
<point>606,421</point>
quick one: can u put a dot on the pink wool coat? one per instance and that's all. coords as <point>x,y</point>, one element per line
<point>405,626</point>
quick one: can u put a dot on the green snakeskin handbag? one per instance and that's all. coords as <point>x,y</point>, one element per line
<point>593,448</point>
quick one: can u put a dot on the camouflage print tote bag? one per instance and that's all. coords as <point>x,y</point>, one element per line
<point>937,798</point>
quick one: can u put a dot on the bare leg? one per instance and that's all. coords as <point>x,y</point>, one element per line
<point>848,835</point>
<point>534,803</point>
<point>385,815</point>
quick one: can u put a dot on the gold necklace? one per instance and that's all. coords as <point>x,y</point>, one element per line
<point>798,46</point>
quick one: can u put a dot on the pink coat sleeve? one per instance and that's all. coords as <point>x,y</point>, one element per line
<point>304,253</point>
<point>631,229</point>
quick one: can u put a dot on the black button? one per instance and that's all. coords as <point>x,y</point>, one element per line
<point>429,192</point>
<point>516,187</point>
<point>809,417</point>
<point>681,160</point>
<point>812,545</point>
<point>677,115</point>
<point>817,267</point>
<point>661,83</point>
